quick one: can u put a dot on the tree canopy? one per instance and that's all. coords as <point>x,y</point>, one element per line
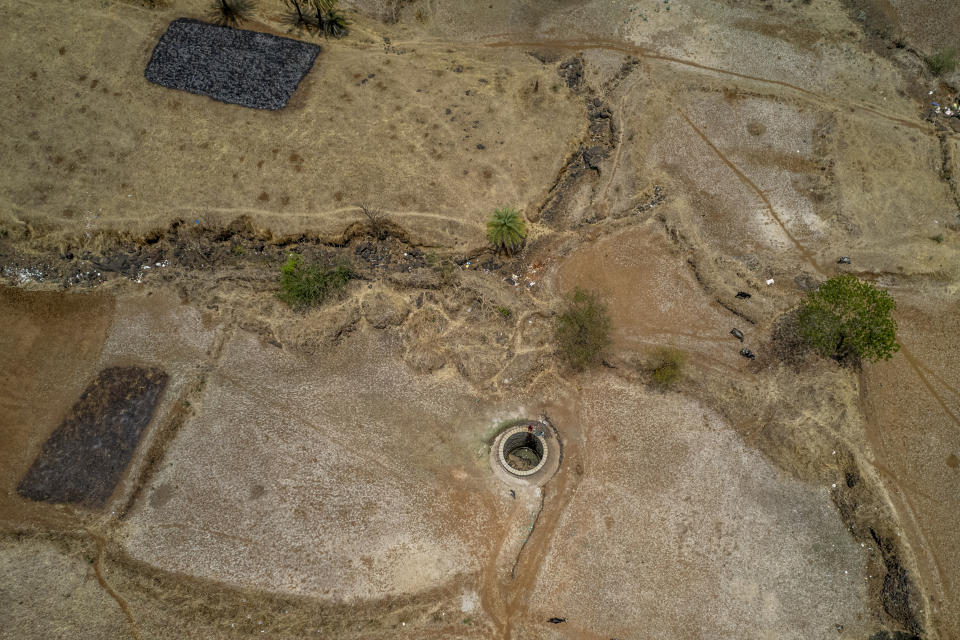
<point>846,316</point>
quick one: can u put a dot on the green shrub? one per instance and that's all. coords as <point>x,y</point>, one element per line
<point>666,366</point>
<point>582,331</point>
<point>506,230</point>
<point>505,312</point>
<point>943,61</point>
<point>307,285</point>
<point>846,317</point>
<point>937,238</point>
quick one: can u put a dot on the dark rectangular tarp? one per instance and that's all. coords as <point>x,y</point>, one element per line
<point>249,68</point>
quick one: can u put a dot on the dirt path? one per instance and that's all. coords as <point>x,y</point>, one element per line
<point>642,52</point>
<point>102,580</point>
<point>803,251</point>
<point>505,595</point>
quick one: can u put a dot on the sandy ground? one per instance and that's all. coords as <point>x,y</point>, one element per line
<point>394,127</point>
<point>913,408</point>
<point>325,473</point>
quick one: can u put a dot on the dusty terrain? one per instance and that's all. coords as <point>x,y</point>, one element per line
<point>325,473</point>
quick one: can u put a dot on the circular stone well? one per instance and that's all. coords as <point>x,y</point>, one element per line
<point>527,454</point>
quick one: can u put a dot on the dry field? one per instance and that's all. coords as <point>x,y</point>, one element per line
<point>325,473</point>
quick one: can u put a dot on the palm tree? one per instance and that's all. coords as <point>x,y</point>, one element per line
<point>328,19</point>
<point>231,13</point>
<point>295,18</point>
<point>506,230</point>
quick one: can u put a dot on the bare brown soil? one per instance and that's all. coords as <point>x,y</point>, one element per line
<point>324,473</point>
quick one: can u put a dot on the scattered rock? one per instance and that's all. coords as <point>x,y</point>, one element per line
<point>805,282</point>
<point>736,333</point>
<point>383,310</point>
<point>594,155</point>
<point>746,353</point>
<point>425,359</point>
<point>572,72</point>
<point>521,370</point>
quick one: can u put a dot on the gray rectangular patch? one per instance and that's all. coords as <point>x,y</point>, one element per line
<point>237,66</point>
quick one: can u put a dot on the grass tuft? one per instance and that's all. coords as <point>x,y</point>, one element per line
<point>666,366</point>
<point>943,61</point>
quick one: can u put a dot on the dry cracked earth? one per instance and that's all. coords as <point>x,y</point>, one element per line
<point>252,470</point>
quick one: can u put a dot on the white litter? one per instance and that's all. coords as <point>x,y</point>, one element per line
<point>769,282</point>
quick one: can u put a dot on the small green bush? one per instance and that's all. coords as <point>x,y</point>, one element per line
<point>937,238</point>
<point>666,366</point>
<point>505,312</point>
<point>943,61</point>
<point>582,331</point>
<point>506,230</point>
<point>304,285</point>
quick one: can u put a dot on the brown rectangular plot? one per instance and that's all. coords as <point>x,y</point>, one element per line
<point>84,458</point>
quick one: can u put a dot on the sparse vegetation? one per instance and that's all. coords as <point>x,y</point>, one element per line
<point>303,285</point>
<point>506,230</point>
<point>231,13</point>
<point>505,312</point>
<point>583,330</point>
<point>238,250</point>
<point>937,238</point>
<point>321,16</point>
<point>445,268</point>
<point>328,20</point>
<point>943,61</point>
<point>295,18</point>
<point>377,221</point>
<point>666,366</point>
<point>847,317</point>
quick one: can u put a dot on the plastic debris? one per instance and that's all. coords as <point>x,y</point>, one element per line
<point>844,260</point>
<point>746,353</point>
<point>743,295</point>
<point>736,333</point>
<point>769,282</point>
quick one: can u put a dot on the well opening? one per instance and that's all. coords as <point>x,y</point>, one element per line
<point>523,450</point>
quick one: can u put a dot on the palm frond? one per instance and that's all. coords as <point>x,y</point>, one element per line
<point>506,230</point>
<point>231,13</point>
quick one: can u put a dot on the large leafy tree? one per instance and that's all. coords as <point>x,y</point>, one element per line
<point>846,316</point>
